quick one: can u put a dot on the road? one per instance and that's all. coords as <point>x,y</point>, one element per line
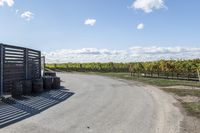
<point>105,105</point>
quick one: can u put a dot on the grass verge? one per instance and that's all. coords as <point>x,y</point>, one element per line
<point>192,108</point>
<point>183,92</point>
<point>152,81</point>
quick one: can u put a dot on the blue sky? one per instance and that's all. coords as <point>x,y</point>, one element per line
<point>114,25</point>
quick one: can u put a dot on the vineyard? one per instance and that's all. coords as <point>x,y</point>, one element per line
<point>169,69</point>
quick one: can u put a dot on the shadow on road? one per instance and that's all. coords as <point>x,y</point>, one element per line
<point>14,110</point>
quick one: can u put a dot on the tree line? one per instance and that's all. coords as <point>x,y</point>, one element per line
<point>186,69</point>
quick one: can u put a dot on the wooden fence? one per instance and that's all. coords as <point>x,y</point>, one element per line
<point>18,63</point>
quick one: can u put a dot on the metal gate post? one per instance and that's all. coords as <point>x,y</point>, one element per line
<point>1,70</point>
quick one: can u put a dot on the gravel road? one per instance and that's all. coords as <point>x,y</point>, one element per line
<point>105,105</point>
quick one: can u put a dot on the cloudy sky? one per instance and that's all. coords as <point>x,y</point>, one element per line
<point>103,30</point>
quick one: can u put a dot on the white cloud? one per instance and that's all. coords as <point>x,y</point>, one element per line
<point>10,3</point>
<point>90,22</point>
<point>27,15</point>
<point>148,5</point>
<point>127,55</point>
<point>140,26</point>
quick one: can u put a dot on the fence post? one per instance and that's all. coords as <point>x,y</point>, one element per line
<point>43,65</point>
<point>198,74</point>
<point>40,64</point>
<point>44,61</point>
<point>1,70</point>
<point>26,63</point>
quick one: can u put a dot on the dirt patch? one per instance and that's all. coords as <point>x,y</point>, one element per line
<point>188,99</point>
<point>192,125</point>
<point>189,124</point>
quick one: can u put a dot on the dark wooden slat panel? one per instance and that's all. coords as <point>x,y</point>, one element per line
<point>8,53</point>
<point>36,56</point>
<point>7,74</point>
<point>14,47</point>
<point>14,64</point>
<point>33,51</point>
<point>14,72</point>
<point>13,67</point>
<point>13,59</point>
<point>33,58</point>
<point>8,66</point>
<point>11,71</point>
<point>14,79</point>
<point>16,57</point>
<point>13,52</point>
<point>20,59</point>
<point>33,63</point>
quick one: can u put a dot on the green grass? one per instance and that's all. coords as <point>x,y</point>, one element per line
<point>183,92</point>
<point>192,109</point>
<point>152,81</point>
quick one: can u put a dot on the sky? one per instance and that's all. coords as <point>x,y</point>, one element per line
<point>103,30</point>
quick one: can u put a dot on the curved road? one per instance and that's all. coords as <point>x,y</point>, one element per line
<point>105,105</point>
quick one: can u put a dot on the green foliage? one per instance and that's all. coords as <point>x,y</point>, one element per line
<point>91,67</point>
<point>181,69</point>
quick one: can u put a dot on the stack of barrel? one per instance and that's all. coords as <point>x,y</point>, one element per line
<point>51,81</point>
<point>26,87</point>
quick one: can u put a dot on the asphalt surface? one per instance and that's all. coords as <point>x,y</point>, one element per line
<point>105,105</point>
